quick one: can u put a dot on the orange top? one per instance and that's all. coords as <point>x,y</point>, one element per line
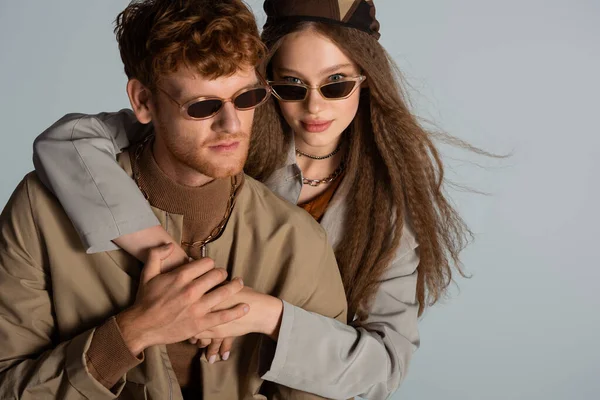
<point>317,206</point>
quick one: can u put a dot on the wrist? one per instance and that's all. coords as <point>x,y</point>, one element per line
<point>272,323</point>
<point>133,337</point>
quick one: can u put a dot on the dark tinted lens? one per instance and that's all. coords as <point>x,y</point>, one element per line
<point>290,92</point>
<point>337,90</point>
<point>204,108</point>
<point>250,99</point>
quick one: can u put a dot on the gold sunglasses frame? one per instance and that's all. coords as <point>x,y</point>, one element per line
<point>358,80</point>
<point>183,107</point>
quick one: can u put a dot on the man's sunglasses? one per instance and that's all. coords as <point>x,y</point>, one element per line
<point>209,106</point>
<point>338,90</point>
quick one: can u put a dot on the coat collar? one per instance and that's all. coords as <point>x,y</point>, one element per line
<point>287,183</point>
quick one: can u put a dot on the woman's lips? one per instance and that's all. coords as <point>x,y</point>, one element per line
<point>316,126</point>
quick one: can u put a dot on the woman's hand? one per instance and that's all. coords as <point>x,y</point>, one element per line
<point>214,347</point>
<point>264,317</point>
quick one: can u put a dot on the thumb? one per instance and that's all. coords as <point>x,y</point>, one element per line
<point>153,266</point>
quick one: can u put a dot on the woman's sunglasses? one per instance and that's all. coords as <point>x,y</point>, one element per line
<point>338,90</point>
<point>209,106</point>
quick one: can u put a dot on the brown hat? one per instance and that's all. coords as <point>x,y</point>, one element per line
<point>359,14</point>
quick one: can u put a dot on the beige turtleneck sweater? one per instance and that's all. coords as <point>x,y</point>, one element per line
<point>203,208</point>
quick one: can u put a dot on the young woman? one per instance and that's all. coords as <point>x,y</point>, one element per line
<point>338,139</point>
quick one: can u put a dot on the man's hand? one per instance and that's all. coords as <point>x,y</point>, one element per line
<point>176,305</point>
<point>264,317</point>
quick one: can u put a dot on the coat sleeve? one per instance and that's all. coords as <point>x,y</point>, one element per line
<point>34,363</point>
<point>324,356</point>
<point>324,297</point>
<point>76,159</point>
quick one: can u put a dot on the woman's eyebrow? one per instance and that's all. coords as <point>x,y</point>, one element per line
<point>335,68</point>
<point>288,71</point>
<point>326,71</point>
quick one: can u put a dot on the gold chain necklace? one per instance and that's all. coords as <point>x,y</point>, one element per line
<point>316,182</point>
<point>217,230</point>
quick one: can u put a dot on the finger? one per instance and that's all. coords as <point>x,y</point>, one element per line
<point>197,289</point>
<point>226,348</point>
<point>202,343</point>
<point>177,258</point>
<point>210,320</point>
<point>220,294</point>
<point>193,340</point>
<point>212,350</point>
<point>156,256</point>
<point>193,270</point>
<point>209,333</point>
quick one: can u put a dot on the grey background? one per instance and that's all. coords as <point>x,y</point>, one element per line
<point>507,76</point>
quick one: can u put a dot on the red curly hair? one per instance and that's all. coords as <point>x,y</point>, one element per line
<point>157,37</point>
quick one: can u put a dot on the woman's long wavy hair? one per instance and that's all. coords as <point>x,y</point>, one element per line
<point>394,171</point>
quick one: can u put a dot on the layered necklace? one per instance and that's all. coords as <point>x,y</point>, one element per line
<point>333,176</point>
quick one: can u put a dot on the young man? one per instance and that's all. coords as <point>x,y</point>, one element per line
<point>76,325</point>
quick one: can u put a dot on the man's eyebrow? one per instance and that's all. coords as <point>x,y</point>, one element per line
<point>251,85</point>
<point>196,96</point>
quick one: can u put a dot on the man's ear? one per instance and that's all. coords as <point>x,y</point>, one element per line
<point>140,99</point>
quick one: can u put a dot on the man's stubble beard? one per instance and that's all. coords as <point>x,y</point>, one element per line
<point>186,153</point>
